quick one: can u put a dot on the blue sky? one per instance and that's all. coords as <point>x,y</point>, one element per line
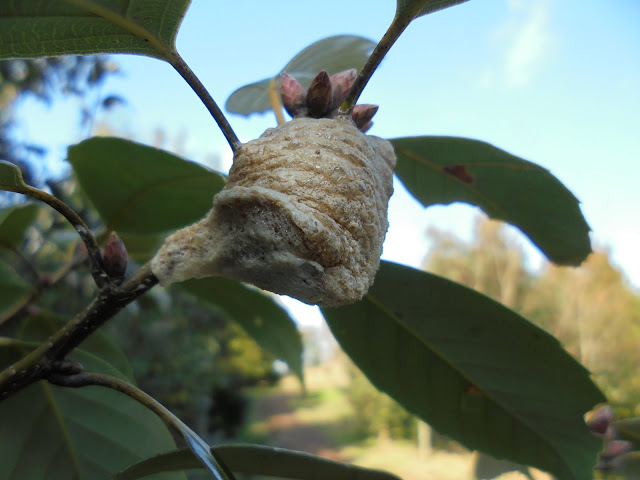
<point>554,82</point>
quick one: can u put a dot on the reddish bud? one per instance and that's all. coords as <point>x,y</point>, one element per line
<point>293,95</point>
<point>341,83</point>
<point>320,95</point>
<point>599,420</point>
<point>615,448</point>
<point>362,115</point>
<point>115,257</point>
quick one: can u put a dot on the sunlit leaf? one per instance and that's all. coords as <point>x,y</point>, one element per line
<point>11,177</point>
<point>38,28</point>
<point>443,170</point>
<point>259,460</point>
<point>142,190</point>
<point>90,433</point>
<point>417,8</point>
<point>13,223</point>
<point>332,54</point>
<point>202,452</point>
<point>473,369</point>
<point>257,313</point>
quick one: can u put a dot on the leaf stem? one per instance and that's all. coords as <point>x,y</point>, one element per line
<point>274,98</point>
<point>398,25</point>
<point>109,301</point>
<point>194,82</point>
<point>200,448</point>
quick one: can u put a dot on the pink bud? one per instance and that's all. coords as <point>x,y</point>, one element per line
<point>362,115</point>
<point>115,257</point>
<point>599,420</point>
<point>341,83</point>
<point>320,95</point>
<point>615,448</point>
<point>293,95</point>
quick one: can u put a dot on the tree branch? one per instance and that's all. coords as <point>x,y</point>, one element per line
<point>39,363</point>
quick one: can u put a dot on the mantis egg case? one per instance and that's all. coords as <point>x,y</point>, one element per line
<point>304,213</point>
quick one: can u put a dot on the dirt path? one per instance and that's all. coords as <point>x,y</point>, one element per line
<point>287,430</point>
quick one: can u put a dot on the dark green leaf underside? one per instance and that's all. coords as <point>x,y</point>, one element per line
<point>443,170</point>
<point>37,28</point>
<point>87,433</point>
<point>332,54</point>
<point>142,190</point>
<point>472,369</point>
<point>257,313</point>
<point>259,460</point>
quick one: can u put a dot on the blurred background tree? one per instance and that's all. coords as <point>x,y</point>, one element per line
<point>48,80</point>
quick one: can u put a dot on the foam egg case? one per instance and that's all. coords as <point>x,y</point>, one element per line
<point>304,214</point>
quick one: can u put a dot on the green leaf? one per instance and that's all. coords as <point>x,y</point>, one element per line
<point>252,98</point>
<point>13,223</point>
<point>85,433</point>
<point>141,248</point>
<point>10,175</point>
<point>14,291</point>
<point>416,8</point>
<point>38,28</point>
<point>473,369</point>
<point>40,327</point>
<point>258,460</point>
<point>332,54</point>
<point>442,170</point>
<point>142,190</point>
<point>257,313</point>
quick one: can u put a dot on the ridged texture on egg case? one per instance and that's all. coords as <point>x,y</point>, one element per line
<point>304,214</point>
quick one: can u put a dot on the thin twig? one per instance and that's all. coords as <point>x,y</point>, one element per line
<point>194,82</point>
<point>396,28</point>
